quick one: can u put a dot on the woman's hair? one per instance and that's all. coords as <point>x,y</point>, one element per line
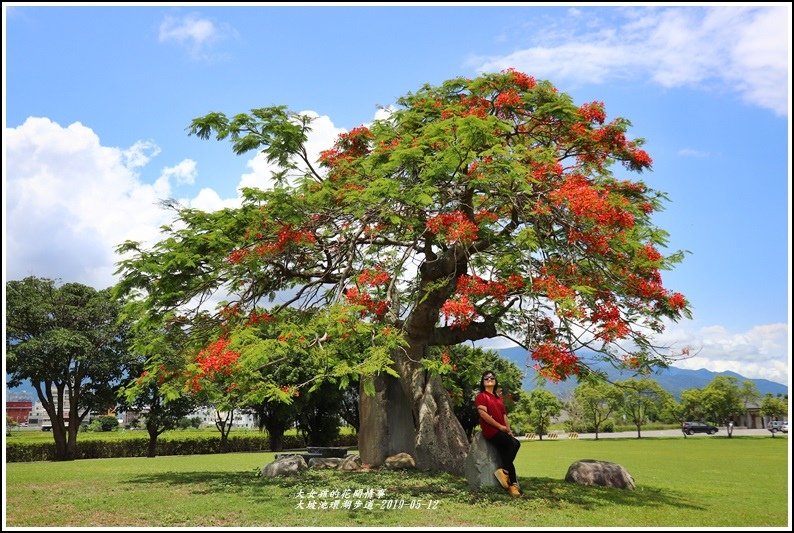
<point>495,385</point>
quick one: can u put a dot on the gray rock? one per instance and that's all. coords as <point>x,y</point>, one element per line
<point>284,466</point>
<point>592,472</point>
<point>325,462</point>
<point>400,460</point>
<point>481,463</point>
<point>350,463</point>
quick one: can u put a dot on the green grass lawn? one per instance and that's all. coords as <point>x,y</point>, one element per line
<point>708,482</point>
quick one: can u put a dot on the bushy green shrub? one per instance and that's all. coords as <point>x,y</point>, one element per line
<point>189,444</point>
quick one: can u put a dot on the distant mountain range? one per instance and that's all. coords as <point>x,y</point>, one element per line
<point>673,380</point>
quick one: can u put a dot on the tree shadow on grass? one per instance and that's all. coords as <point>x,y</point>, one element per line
<point>411,484</point>
<point>559,493</point>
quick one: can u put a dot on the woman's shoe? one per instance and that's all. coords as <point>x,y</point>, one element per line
<point>513,490</point>
<point>504,479</point>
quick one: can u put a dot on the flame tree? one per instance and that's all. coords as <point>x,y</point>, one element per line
<point>478,208</point>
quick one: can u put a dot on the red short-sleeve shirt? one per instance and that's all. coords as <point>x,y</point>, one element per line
<point>495,407</point>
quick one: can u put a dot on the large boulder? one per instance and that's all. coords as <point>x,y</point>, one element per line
<point>481,463</point>
<point>284,466</point>
<point>592,472</point>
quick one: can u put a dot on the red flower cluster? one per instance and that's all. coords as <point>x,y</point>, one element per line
<point>552,287</point>
<point>586,202</point>
<point>284,238</point>
<point>216,358</point>
<point>541,172</point>
<point>455,227</point>
<point>554,363</point>
<point>651,253</point>
<point>520,79</point>
<point>612,324</point>
<point>641,158</point>
<point>677,301</point>
<point>631,361</point>
<point>376,307</point>
<point>347,147</point>
<point>509,98</point>
<point>259,318</point>
<point>478,287</point>
<point>238,255</point>
<point>648,287</point>
<point>373,277</point>
<point>461,311</point>
<point>475,106</point>
<point>230,311</point>
<point>593,112</point>
<point>485,216</point>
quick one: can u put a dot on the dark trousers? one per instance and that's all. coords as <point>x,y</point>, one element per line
<point>507,448</point>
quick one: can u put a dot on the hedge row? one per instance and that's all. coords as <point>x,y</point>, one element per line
<point>17,452</point>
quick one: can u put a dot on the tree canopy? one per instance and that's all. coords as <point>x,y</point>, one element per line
<point>66,340</point>
<point>477,208</point>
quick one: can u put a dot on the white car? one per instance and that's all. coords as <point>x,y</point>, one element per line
<point>778,425</point>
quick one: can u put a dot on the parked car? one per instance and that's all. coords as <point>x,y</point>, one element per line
<point>778,425</point>
<point>690,428</point>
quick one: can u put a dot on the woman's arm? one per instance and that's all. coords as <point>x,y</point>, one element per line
<point>488,418</point>
<point>509,430</point>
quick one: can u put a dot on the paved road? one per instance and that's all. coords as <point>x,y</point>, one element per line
<point>737,432</point>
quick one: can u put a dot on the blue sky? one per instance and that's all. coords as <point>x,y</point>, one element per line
<point>97,101</point>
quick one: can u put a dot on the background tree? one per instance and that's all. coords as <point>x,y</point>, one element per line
<point>104,423</point>
<point>642,399</point>
<point>672,411</point>
<point>597,400</point>
<point>723,399</point>
<point>542,406</point>
<point>461,367</point>
<point>477,208</point>
<point>749,394</point>
<point>318,414</point>
<point>773,408</point>
<point>275,418</point>
<point>349,405</point>
<point>693,405</point>
<point>66,341</point>
<point>157,356</point>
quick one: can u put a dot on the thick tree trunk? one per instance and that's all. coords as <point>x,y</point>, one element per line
<point>411,414</point>
<point>276,440</point>
<point>61,444</point>
<point>74,427</point>
<point>151,450</point>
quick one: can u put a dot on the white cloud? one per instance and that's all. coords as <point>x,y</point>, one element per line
<point>691,152</point>
<point>197,34</point>
<point>139,154</point>
<point>184,172</point>
<point>209,200</point>
<point>739,49</point>
<point>71,201</point>
<point>760,352</point>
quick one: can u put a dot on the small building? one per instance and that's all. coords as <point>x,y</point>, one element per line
<point>18,408</point>
<point>752,418</point>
